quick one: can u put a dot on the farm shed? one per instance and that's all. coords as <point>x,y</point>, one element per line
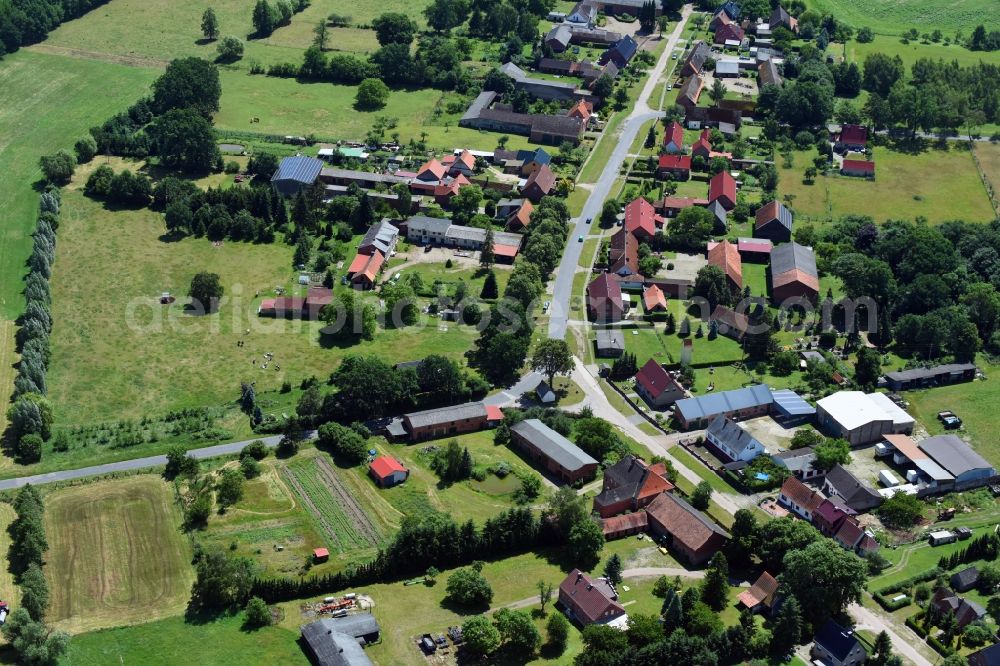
<point>561,457</point>
<point>386,471</point>
<point>296,173</point>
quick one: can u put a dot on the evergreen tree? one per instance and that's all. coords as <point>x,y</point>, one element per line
<point>787,627</point>
<point>465,465</point>
<point>613,570</point>
<point>685,328</point>
<point>490,288</point>
<point>487,257</point>
<point>715,586</point>
<point>672,611</point>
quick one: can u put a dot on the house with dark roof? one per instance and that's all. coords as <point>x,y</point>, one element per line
<point>339,641</point>
<point>623,253</point>
<point>731,9</point>
<point>830,515</point>
<point>590,601</point>
<point>720,217</point>
<point>964,580</point>
<point>719,18</point>
<point>729,32</point>
<point>727,120</point>
<point>657,386</point>
<point>442,422</point>
<point>773,222</point>
<point>673,138</point>
<point>381,236</point>
<point>531,160</point>
<point>793,273</point>
<point>852,137</point>
<point>694,61</point>
<point>387,472</point>
<point>604,300</point>
<point>690,532</point>
<point>767,73</point>
<point>730,323</point>
<point>722,188</point>
<point>939,375</point>
<point>755,250</point>
<point>620,53</point>
<point>745,403</point>
<point>482,114</point>
<point>610,343</point>
<point>539,184</point>
<point>851,490</point>
<point>630,485</point>
<point>540,88</point>
<point>640,219</point>
<point>762,595</point>
<point>799,498</point>
<point>836,646</point>
<point>861,168</point>
<point>966,612</point>
<point>283,307</point>
<point>687,96</point>
<point>988,656</point>
<point>799,462</point>
<point>731,441</point>
<point>726,258</point>
<point>677,167</point>
<point>780,17</point>
<point>561,457</point>
<point>296,173</point>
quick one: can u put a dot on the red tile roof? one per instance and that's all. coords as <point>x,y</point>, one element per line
<point>522,217</point>
<point>654,299</point>
<point>796,275</point>
<point>493,413</point>
<point>590,600</point>
<point>624,523</point>
<point>674,134</point>
<point>757,245</point>
<point>728,31</point>
<point>320,553</point>
<point>762,591</point>
<point>801,494</point>
<point>624,252</point>
<point>854,135</point>
<point>605,287</point>
<point>505,250</point>
<point>434,167</point>
<point>683,202</point>
<point>675,162</point>
<point>686,524</point>
<point>544,179</point>
<point>859,165</point>
<point>359,263</point>
<point>706,134</point>
<point>371,267</point>
<point>722,185</point>
<point>849,534</point>
<point>580,110</point>
<point>727,258</point>
<point>384,466</point>
<point>655,379</point>
<point>702,147</point>
<point>639,214</point>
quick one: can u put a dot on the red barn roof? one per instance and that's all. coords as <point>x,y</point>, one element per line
<point>432,167</point>
<point>640,214</point>
<point>727,258</point>
<point>385,466</point>
<point>320,553</point>
<point>494,413</point>
<point>722,186</point>
<point>854,135</point>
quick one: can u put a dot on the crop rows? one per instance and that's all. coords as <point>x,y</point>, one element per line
<point>325,510</point>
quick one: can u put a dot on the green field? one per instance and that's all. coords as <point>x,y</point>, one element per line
<point>910,53</point>
<point>57,101</point>
<point>937,184</point>
<point>895,18</point>
<point>161,358</point>
<point>116,555</point>
<point>173,640</point>
<point>647,343</point>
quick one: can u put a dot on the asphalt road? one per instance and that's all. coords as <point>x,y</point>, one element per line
<point>562,293</point>
<point>137,463</point>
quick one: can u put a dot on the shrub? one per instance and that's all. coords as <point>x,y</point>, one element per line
<point>258,614</point>
<point>257,449</point>
<point>230,49</point>
<point>58,168</point>
<point>372,94</point>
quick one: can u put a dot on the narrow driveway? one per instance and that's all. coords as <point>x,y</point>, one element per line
<point>600,190</point>
<point>902,643</point>
<point>137,463</point>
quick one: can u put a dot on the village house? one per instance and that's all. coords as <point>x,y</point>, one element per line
<point>560,457</point>
<point>609,343</point>
<point>799,462</point>
<point>340,641</point>
<point>702,147</point>
<point>591,601</point>
<point>852,138</point>
<point>604,300</point>
<point>726,258</point>
<point>830,515</point>
<point>773,222</point>
<point>799,498</point>
<point>673,138</point>
<point>484,114</point>
<point>730,323</point>
<point>692,534</point>
<point>657,386</point>
<point>316,299</point>
<point>539,184</point>
<point>654,301</point>
<point>767,73</point>
<point>628,524</point>
<point>687,96</point>
<point>762,595</point>
<point>722,188</point>
<point>732,442</point>
<point>365,269</point>
<point>560,37</point>
<point>694,62</point>
<point>987,656</point>
<point>677,167</point>
<point>671,206</point>
<point>966,612</point>
<point>964,580</point>
<point>583,13</point>
<point>541,88</point>
<point>835,646</point>
<point>283,307</point>
<point>623,253</point>
<point>640,219</point>
<point>793,273</point>
<point>852,491</point>
<point>462,164</point>
<point>621,53</point>
<point>729,32</point>
<point>519,219</point>
<point>387,472</point>
<point>780,17</point>
<point>630,485</point>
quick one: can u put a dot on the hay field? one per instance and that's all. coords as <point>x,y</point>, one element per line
<point>116,556</point>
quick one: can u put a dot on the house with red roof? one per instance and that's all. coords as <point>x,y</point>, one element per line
<point>365,268</point>
<point>640,219</point>
<point>657,386</point>
<point>630,485</point>
<point>853,137</point>
<point>676,166</point>
<point>860,168</point>
<point>755,250</point>
<point>654,300</point>
<point>519,219</point>
<point>539,184</point>
<point>283,307</point>
<point>692,534</point>
<point>793,273</point>
<point>830,515</point>
<point>316,300</point>
<point>320,555</point>
<point>590,601</point>
<point>762,594</point>
<point>623,253</point>
<point>799,498</point>
<point>722,188</point>
<point>387,472</point>
<point>726,257</point>
<point>671,206</point>
<point>431,171</point>
<point>624,525</point>
<point>462,164</point>
<point>673,139</point>
<point>582,110</point>
<point>701,148</point>
<point>729,32</point>
<point>604,300</point>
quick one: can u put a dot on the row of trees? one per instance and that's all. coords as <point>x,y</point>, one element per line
<point>29,21</point>
<point>30,416</point>
<point>25,628</point>
<point>267,17</point>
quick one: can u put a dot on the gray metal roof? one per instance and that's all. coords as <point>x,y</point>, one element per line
<point>610,339</point>
<point>724,401</point>
<point>953,454</point>
<point>796,459</point>
<point>438,225</point>
<point>567,454</point>
<point>357,626</point>
<point>332,646</point>
<point>729,433</point>
<point>933,470</point>
<point>930,373</point>
<point>790,403</point>
<point>792,256</point>
<point>354,174</point>
<point>482,102</point>
<point>380,235</point>
<point>395,428</point>
<point>301,169</point>
<point>479,235</point>
<point>727,67</point>
<point>430,417</point>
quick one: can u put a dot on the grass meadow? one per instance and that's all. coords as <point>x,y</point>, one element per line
<point>895,18</point>
<point>938,184</point>
<point>87,92</point>
<point>988,155</point>
<point>116,555</point>
<point>112,267</point>
<point>910,53</point>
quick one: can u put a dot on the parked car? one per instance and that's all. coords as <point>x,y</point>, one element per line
<point>579,239</point>
<point>950,420</point>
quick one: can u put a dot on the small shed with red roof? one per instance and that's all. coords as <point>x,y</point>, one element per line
<point>387,472</point>
<point>320,555</point>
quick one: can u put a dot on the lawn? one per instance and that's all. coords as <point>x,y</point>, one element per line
<point>122,343</point>
<point>988,155</point>
<point>286,106</point>
<point>8,357</point>
<point>647,343</point>
<point>894,18</point>
<point>976,404</point>
<point>937,184</point>
<point>116,555</point>
<point>173,640</point>
<point>9,592</point>
<point>910,53</point>
<point>35,126</point>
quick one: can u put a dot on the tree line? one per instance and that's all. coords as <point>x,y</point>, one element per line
<point>30,415</point>
<point>25,629</point>
<point>24,22</point>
